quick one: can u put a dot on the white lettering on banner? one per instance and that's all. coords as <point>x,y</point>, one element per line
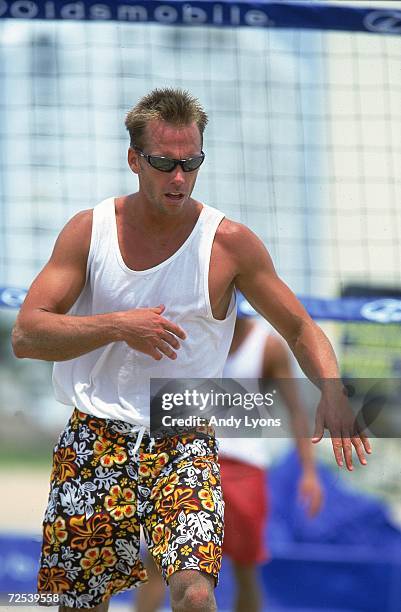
<point>218,14</point>
<point>384,21</point>
<point>3,7</point>
<point>192,14</point>
<point>257,18</point>
<point>235,15</point>
<point>23,9</point>
<point>73,10</point>
<point>100,11</point>
<point>165,14</point>
<point>387,310</point>
<point>388,22</point>
<point>132,13</point>
<point>12,297</point>
<point>50,11</point>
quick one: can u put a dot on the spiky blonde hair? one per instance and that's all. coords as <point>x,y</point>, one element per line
<point>175,106</point>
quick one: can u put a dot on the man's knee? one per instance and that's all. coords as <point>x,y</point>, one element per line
<point>192,590</point>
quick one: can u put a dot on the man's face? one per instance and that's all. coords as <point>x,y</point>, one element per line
<point>166,192</point>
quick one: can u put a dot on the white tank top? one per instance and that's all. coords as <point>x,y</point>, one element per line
<point>113,381</point>
<point>247,362</point>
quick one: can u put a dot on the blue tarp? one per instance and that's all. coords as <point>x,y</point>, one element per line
<point>347,558</point>
<point>347,517</point>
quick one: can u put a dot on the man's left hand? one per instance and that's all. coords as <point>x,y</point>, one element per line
<point>334,413</point>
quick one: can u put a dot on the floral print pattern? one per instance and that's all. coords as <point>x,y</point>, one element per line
<point>89,533</point>
<point>109,452</point>
<point>103,490</point>
<point>120,503</point>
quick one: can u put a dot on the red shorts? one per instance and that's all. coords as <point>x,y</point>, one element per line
<point>246,511</point>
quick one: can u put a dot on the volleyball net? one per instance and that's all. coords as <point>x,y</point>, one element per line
<point>303,143</point>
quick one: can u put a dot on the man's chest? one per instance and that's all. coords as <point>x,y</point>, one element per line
<point>141,253</point>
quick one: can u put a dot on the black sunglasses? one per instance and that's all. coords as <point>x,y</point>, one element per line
<point>167,164</point>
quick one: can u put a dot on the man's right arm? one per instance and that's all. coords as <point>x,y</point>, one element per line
<point>43,329</point>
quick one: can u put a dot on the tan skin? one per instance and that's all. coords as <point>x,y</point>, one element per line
<point>160,223</point>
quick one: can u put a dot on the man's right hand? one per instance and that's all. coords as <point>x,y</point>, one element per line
<point>147,331</point>
<point>45,330</point>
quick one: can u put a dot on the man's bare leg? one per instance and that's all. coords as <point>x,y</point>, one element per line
<point>191,590</point>
<point>103,607</point>
<point>249,594</point>
<point>150,595</point>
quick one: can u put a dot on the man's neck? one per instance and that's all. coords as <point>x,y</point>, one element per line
<point>137,211</point>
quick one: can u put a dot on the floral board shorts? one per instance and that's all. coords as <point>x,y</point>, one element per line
<point>103,490</point>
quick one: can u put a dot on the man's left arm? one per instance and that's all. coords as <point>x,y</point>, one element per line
<point>257,279</point>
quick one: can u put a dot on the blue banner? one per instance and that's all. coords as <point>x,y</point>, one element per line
<point>209,12</point>
<point>366,309</point>
<point>362,309</point>
<point>11,297</point>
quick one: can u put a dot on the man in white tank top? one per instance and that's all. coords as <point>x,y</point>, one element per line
<point>142,286</point>
<point>257,352</point>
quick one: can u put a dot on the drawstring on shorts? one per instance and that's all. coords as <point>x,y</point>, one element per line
<point>141,430</point>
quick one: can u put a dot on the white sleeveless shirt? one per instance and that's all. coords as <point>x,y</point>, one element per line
<point>113,381</point>
<point>247,362</point>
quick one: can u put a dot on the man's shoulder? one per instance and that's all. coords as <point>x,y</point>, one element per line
<point>75,236</point>
<point>229,229</point>
<point>243,246</point>
<point>232,234</point>
<point>81,222</point>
